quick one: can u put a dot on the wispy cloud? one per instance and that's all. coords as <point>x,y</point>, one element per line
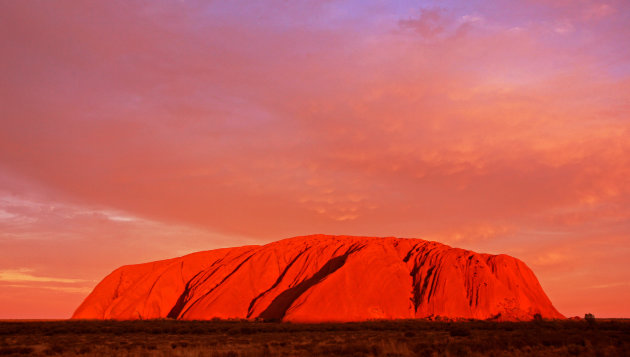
<point>430,22</point>
<point>550,258</point>
<point>609,285</point>
<point>66,289</point>
<point>24,275</point>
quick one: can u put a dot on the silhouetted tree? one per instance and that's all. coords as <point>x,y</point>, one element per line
<point>590,319</point>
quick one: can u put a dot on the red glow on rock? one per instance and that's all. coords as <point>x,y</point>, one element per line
<point>323,278</point>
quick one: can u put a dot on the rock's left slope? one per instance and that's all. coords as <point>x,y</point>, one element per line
<point>152,290</point>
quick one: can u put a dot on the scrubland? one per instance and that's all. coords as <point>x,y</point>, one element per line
<point>373,338</point>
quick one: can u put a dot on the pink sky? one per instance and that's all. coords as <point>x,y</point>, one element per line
<point>134,131</point>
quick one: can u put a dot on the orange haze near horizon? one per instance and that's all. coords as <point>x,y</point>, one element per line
<point>134,131</point>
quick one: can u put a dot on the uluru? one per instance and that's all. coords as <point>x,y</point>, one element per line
<point>321,278</point>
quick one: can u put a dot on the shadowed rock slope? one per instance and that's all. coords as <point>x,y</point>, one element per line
<point>323,278</point>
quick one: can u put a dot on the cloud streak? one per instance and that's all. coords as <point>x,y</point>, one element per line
<point>24,275</point>
<point>66,289</point>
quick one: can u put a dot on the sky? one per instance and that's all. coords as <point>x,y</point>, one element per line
<point>133,131</point>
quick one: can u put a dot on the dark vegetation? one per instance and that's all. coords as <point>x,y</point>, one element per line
<point>374,338</point>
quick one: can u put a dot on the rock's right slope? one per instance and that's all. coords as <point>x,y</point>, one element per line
<point>324,278</point>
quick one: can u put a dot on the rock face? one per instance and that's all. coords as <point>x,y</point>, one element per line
<point>323,278</point>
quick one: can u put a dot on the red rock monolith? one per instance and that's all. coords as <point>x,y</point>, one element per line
<point>321,278</point>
